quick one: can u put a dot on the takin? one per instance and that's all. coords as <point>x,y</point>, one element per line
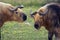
<point>48,16</point>
<point>10,13</point>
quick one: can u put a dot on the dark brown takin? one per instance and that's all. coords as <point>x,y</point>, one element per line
<point>49,17</point>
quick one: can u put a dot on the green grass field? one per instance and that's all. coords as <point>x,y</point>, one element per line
<point>25,30</point>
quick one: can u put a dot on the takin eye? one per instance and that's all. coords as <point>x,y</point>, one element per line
<point>16,12</point>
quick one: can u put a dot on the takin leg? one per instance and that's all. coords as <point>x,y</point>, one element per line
<point>1,24</point>
<point>57,38</point>
<point>57,34</point>
<point>50,35</point>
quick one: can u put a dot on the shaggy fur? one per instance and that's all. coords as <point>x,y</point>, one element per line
<point>49,17</point>
<point>10,13</point>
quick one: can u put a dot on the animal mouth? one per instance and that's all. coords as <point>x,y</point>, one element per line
<point>24,17</point>
<point>36,26</point>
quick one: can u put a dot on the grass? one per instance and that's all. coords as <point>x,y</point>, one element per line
<point>22,31</point>
<point>25,30</point>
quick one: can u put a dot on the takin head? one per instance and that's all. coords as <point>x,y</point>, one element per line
<point>11,13</point>
<point>48,11</point>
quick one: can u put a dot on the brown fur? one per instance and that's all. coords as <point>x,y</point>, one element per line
<point>50,20</point>
<point>7,15</point>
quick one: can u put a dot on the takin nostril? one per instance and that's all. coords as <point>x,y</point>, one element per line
<point>24,17</point>
<point>36,26</point>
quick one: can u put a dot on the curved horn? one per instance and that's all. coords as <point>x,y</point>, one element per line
<point>45,12</point>
<point>15,9</point>
<point>31,13</point>
<point>21,6</point>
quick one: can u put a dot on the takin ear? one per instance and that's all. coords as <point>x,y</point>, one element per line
<point>32,14</point>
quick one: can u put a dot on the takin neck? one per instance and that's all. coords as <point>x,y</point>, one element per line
<point>4,18</point>
<point>50,22</point>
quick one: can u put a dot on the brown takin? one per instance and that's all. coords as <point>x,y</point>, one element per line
<point>49,17</point>
<point>10,13</point>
